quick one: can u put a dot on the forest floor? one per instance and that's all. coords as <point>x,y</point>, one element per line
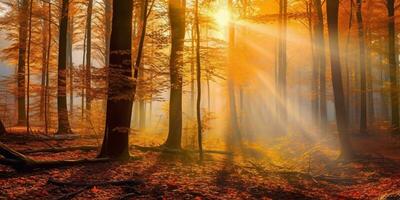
<point>181,176</point>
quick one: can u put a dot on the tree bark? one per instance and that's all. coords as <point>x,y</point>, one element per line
<point>121,89</point>
<point>70,64</point>
<point>28,67</point>
<point>176,12</point>
<point>390,4</point>
<point>22,40</point>
<point>332,7</point>
<point>198,77</point>
<point>88,69</point>
<point>63,119</point>
<point>108,16</point>
<point>46,91</point>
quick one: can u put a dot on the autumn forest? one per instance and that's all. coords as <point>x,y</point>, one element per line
<point>199,99</point>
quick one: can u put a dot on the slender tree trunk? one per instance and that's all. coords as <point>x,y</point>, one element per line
<point>321,56</point>
<point>176,12</point>
<point>29,68</point>
<point>282,69</point>
<point>192,72</point>
<point>315,67</point>
<point>88,69</point>
<point>363,88</point>
<point>141,84</point>
<point>370,84</point>
<point>63,119</point>
<point>43,63</point>
<point>23,32</point>
<point>393,65</point>
<point>70,63</point>
<point>233,117</point>
<point>46,94</point>
<point>332,7</point>
<point>348,71</point>
<point>108,16</point>
<point>119,111</point>
<point>198,77</point>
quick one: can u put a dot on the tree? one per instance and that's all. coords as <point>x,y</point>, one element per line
<point>29,68</point>
<point>332,8</point>
<point>121,89</point>
<point>176,12</point>
<point>282,56</point>
<point>363,85</point>
<point>88,55</point>
<point>63,119</point>
<point>198,77</point>
<point>321,60</point>
<point>390,5</point>
<point>22,38</point>
<point>233,116</point>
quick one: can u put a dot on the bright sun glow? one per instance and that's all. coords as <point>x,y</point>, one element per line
<point>222,17</point>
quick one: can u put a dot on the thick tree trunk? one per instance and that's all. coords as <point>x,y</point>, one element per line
<point>23,36</point>
<point>363,85</point>
<point>88,69</point>
<point>321,56</point>
<point>176,12</point>
<point>121,89</point>
<point>63,119</point>
<point>332,7</point>
<point>393,65</point>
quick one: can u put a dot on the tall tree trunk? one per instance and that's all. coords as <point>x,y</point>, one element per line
<point>70,63</point>
<point>28,67</point>
<point>108,16</point>
<point>282,69</point>
<point>63,119</point>
<point>332,7</point>
<point>119,110</point>
<point>43,63</point>
<point>370,84</point>
<point>321,56</point>
<point>46,91</point>
<point>192,70</point>
<point>198,77</point>
<point>22,40</point>
<point>233,116</point>
<point>176,12</point>
<point>363,88</point>
<point>390,4</point>
<point>142,102</point>
<point>88,69</point>
<point>315,67</point>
